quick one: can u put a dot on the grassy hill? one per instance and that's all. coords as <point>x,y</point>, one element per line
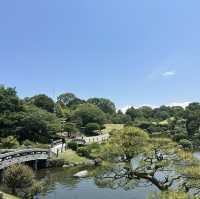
<point>110,127</point>
<point>8,196</point>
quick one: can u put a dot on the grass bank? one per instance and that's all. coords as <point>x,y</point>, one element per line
<point>71,157</point>
<point>111,127</point>
<point>8,196</point>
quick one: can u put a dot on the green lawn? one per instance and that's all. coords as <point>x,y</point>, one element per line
<point>8,196</point>
<point>71,157</point>
<point>110,127</point>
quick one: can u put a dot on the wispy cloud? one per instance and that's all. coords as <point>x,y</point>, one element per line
<point>182,104</point>
<point>169,73</point>
<point>160,73</point>
<point>124,109</point>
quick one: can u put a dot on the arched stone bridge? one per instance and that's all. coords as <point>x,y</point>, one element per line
<point>21,156</point>
<point>32,154</point>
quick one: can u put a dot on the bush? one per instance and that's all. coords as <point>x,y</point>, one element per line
<point>180,136</point>
<point>90,128</point>
<point>73,145</point>
<point>36,188</point>
<point>27,143</point>
<point>84,151</point>
<point>9,143</point>
<point>18,176</point>
<point>186,144</point>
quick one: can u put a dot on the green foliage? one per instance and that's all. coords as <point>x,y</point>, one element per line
<point>121,118</point>
<point>69,100</point>
<point>27,143</point>
<point>127,143</point>
<point>35,189</point>
<point>43,101</point>
<point>24,120</point>
<point>91,128</point>
<point>59,110</point>
<point>38,125</point>
<point>186,144</point>
<point>172,195</point>
<point>95,150</point>
<point>9,142</point>
<point>18,177</point>
<point>9,102</point>
<point>88,113</point>
<point>10,109</point>
<point>84,151</point>
<point>72,145</point>
<point>104,104</point>
<point>133,113</point>
<point>145,111</point>
<point>70,128</point>
<point>192,115</point>
<point>179,136</point>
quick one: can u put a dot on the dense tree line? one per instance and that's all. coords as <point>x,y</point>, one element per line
<point>23,119</point>
<point>40,118</point>
<point>183,125</point>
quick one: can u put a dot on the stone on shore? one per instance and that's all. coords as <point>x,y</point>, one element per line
<point>82,174</point>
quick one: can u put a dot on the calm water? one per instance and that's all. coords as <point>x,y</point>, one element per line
<point>197,155</point>
<point>60,184</point>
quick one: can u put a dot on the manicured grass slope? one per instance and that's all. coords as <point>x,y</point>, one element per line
<point>71,157</point>
<point>8,196</point>
<point>110,127</point>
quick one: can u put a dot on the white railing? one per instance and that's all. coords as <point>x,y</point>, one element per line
<point>93,139</point>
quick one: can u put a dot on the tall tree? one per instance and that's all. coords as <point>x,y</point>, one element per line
<point>192,115</point>
<point>37,125</point>
<point>9,101</point>
<point>43,101</point>
<point>105,105</point>
<point>133,113</point>
<point>69,100</point>
<point>88,113</point>
<point>10,108</point>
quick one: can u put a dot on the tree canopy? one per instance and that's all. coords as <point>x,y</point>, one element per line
<point>104,104</point>
<point>43,101</point>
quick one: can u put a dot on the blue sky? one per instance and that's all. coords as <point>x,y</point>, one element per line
<point>133,52</point>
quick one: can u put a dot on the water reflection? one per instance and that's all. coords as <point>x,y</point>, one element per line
<point>60,184</point>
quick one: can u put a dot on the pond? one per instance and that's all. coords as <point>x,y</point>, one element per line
<point>197,155</point>
<point>60,184</point>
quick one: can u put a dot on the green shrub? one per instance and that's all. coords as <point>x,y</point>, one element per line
<point>91,128</point>
<point>36,188</point>
<point>94,145</point>
<point>27,143</point>
<point>84,151</point>
<point>73,145</point>
<point>180,136</point>
<point>186,144</point>
<point>9,143</point>
<point>18,176</point>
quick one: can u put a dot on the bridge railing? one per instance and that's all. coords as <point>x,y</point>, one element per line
<point>23,153</point>
<point>93,139</point>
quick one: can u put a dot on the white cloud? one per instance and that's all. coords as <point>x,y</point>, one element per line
<point>169,73</point>
<point>124,109</point>
<point>161,73</point>
<point>182,104</point>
